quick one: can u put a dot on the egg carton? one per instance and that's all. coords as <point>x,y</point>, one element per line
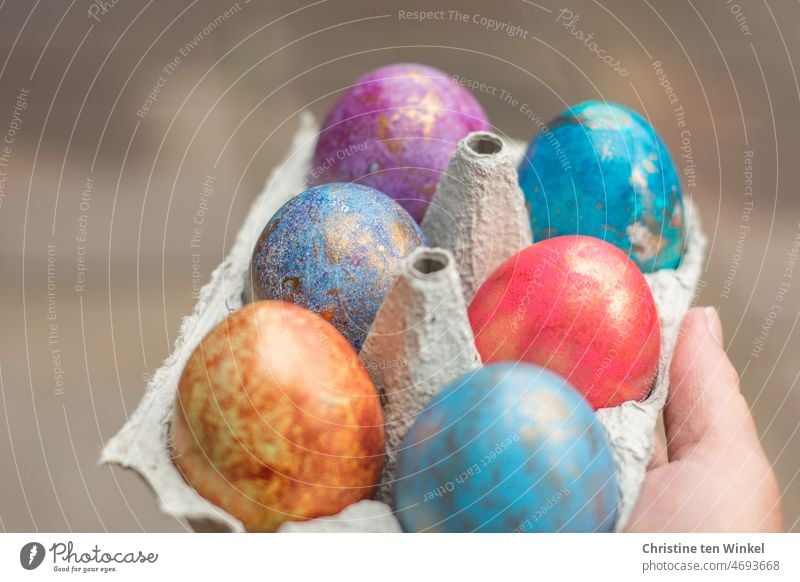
<point>420,339</point>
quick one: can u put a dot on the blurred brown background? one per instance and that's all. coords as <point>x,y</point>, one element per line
<point>69,382</point>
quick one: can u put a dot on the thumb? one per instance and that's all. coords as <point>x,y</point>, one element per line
<point>705,411</point>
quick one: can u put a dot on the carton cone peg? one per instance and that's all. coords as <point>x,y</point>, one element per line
<point>420,340</point>
<point>478,212</point>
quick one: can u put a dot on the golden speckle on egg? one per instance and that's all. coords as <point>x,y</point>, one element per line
<point>644,244</point>
<point>676,220</point>
<point>338,231</point>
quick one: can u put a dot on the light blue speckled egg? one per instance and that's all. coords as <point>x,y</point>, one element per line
<point>511,447</point>
<point>601,170</point>
<point>335,250</point>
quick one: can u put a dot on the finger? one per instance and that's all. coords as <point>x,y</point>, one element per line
<point>705,407</point>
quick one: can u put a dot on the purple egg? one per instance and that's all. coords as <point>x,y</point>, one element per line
<point>395,130</point>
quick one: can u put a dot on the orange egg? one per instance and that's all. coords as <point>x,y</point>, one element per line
<point>276,419</point>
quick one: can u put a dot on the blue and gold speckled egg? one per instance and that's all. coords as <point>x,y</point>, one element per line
<point>511,447</point>
<point>334,249</point>
<point>601,170</point>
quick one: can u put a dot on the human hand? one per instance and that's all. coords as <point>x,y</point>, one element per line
<point>712,475</point>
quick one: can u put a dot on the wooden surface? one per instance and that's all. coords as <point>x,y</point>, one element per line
<point>199,155</point>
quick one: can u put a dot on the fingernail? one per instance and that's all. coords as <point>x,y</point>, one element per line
<point>713,324</point>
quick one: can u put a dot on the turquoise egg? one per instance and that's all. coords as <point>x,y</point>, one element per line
<point>334,249</point>
<point>599,169</point>
<point>511,447</point>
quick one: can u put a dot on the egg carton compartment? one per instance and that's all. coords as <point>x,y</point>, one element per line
<point>424,288</point>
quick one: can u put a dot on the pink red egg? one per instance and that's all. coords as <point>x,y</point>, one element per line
<point>276,419</point>
<point>578,306</point>
<point>395,130</point>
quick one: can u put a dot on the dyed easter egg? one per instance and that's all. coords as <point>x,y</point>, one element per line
<point>601,170</point>
<point>578,306</point>
<point>511,447</point>
<point>395,130</point>
<point>335,250</point>
<point>276,419</point>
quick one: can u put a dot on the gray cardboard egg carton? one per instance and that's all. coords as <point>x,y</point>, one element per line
<point>421,338</point>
